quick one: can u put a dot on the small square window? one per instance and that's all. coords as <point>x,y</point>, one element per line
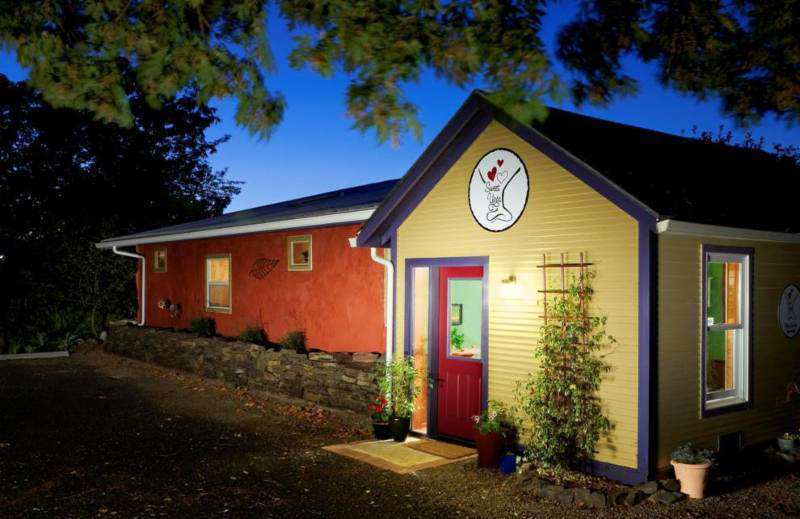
<point>299,252</point>
<point>160,259</point>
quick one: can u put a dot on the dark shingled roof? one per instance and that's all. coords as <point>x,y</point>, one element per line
<point>350,199</point>
<point>684,178</point>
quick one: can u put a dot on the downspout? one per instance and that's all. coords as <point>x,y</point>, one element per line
<point>142,304</point>
<point>389,300</point>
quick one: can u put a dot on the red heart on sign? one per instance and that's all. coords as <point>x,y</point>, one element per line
<point>492,173</point>
<point>500,162</point>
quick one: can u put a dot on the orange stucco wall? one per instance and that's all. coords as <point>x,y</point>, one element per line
<point>339,304</point>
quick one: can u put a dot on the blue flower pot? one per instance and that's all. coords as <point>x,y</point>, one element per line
<point>508,464</point>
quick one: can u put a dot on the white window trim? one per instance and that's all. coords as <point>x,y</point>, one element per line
<point>741,392</point>
<point>290,241</point>
<point>229,284</point>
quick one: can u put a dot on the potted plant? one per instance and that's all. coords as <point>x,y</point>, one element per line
<point>379,412</point>
<point>456,339</point>
<point>787,441</point>
<point>489,438</point>
<point>691,469</point>
<point>457,342</point>
<point>398,378</point>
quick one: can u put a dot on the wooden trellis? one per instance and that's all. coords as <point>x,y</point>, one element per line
<point>564,268</point>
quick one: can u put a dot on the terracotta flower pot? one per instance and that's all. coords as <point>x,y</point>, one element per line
<point>692,478</point>
<point>489,447</point>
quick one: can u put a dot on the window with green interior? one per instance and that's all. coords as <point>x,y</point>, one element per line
<point>299,252</point>
<point>218,283</point>
<point>466,307</point>
<point>727,359</point>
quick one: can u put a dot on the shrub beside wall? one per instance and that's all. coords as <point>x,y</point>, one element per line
<point>338,380</point>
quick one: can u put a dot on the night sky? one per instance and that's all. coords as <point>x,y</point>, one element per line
<point>314,148</point>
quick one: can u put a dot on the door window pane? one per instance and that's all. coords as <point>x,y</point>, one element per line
<point>420,327</point>
<point>466,312</point>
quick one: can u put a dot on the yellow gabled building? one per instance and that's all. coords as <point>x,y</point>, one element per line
<point>697,287</point>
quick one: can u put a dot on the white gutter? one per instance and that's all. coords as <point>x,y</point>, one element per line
<point>389,301</point>
<point>142,304</point>
<point>734,233</point>
<point>277,225</point>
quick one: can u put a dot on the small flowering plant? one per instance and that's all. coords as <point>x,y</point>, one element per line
<point>379,410</point>
<point>791,436</point>
<point>493,419</point>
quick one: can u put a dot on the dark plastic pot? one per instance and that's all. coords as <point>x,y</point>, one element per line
<point>508,463</point>
<point>400,426</point>
<point>382,430</point>
<point>489,447</point>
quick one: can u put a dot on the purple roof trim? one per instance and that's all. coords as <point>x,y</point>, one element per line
<point>438,156</point>
<point>462,129</point>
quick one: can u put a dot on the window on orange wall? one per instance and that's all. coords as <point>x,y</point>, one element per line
<point>727,355</point>
<point>160,259</point>
<point>218,283</point>
<point>299,252</point>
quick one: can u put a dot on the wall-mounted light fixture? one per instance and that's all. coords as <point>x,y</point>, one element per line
<point>510,279</point>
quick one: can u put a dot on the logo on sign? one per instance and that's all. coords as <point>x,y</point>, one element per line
<point>789,311</point>
<point>498,190</point>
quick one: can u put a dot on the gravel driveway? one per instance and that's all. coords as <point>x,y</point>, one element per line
<point>96,435</point>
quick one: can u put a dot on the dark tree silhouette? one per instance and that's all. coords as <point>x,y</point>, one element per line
<point>68,181</point>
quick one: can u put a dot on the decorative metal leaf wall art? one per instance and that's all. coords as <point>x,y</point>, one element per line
<point>262,267</point>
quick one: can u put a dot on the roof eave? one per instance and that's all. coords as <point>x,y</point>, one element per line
<point>329,219</point>
<point>717,231</point>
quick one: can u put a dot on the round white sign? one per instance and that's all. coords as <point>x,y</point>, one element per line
<point>498,190</point>
<point>789,311</point>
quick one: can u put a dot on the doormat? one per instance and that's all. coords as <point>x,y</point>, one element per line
<point>389,455</point>
<point>445,450</point>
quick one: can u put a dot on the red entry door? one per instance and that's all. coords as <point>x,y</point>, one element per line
<point>459,389</point>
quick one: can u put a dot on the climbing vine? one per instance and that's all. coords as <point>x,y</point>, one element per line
<point>560,399</point>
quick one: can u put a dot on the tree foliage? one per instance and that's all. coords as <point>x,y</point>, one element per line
<point>786,153</point>
<point>745,52</point>
<point>560,399</point>
<point>80,52</point>
<point>67,181</point>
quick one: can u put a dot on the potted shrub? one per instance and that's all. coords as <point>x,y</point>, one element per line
<point>380,409</point>
<point>489,439</point>
<point>786,442</point>
<point>397,379</point>
<point>691,469</point>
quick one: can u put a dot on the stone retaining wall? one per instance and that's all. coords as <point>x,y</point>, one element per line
<point>338,380</point>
